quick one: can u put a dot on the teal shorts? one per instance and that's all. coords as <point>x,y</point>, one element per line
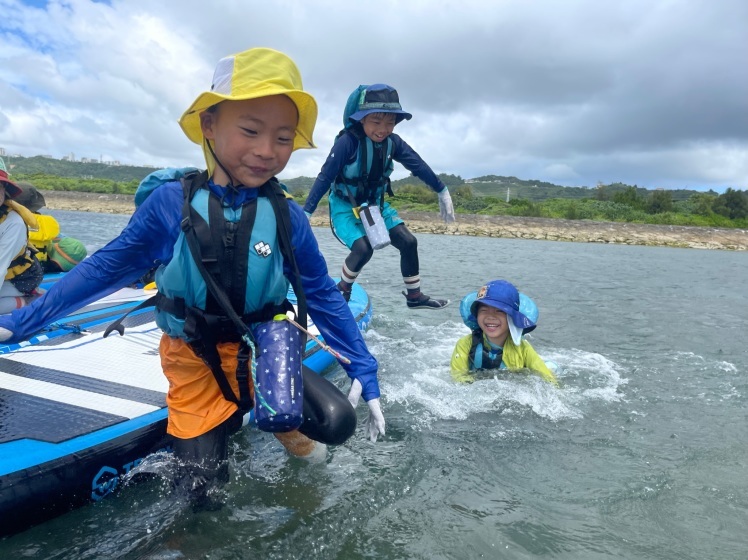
<point>348,227</point>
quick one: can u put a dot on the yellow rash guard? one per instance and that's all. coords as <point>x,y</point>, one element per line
<point>514,358</point>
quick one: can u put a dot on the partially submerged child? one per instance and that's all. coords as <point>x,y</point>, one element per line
<point>497,339</point>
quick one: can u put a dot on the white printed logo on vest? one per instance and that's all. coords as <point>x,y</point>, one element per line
<point>263,249</point>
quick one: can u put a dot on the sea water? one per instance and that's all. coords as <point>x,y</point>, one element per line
<point>641,452</point>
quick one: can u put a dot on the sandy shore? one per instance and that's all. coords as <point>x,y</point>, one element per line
<point>582,231</point>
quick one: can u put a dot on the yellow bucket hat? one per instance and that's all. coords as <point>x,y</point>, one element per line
<point>252,74</point>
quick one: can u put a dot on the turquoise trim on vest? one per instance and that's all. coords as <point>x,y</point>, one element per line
<point>180,278</point>
<point>492,353</point>
<point>352,172</point>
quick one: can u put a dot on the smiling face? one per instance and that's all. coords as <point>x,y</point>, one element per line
<point>493,323</point>
<point>253,139</point>
<point>378,126</point>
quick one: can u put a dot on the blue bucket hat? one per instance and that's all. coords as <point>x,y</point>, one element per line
<point>378,98</point>
<point>521,311</point>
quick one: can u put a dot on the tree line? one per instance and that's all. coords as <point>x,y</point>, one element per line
<point>487,195</point>
<point>606,203</point>
<point>729,209</point>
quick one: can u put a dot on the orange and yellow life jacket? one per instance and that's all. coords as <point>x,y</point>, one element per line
<point>24,259</point>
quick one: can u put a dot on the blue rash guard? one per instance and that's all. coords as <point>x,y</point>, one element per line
<point>148,240</point>
<point>345,151</point>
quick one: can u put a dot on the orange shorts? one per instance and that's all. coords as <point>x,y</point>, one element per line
<point>195,401</point>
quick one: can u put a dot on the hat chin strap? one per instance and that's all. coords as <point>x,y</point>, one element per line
<point>514,331</point>
<point>211,168</point>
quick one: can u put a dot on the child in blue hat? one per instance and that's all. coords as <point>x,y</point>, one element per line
<point>357,175</point>
<point>496,317</point>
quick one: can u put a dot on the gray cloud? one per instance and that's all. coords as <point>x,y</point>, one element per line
<point>652,93</point>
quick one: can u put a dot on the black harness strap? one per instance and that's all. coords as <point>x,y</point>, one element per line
<point>486,361</point>
<point>205,346</point>
<point>215,251</point>
<point>221,325</point>
<point>119,327</point>
<point>225,249</point>
<point>279,202</point>
<point>369,180</point>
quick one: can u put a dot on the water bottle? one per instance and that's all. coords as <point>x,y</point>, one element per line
<point>277,377</point>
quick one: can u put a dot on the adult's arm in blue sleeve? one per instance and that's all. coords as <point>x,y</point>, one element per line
<point>147,239</point>
<point>410,159</point>
<point>328,309</point>
<point>344,148</point>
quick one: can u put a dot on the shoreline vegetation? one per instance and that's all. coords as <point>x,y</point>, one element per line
<point>580,231</point>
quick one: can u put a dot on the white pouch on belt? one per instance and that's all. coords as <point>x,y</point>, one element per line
<point>374,226</point>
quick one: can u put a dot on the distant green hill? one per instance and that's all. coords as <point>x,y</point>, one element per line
<point>299,184</point>
<point>502,187</point>
<point>489,195</point>
<point>39,165</point>
<point>489,185</point>
<point>75,170</point>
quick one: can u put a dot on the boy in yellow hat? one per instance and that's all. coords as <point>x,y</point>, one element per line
<point>253,242</point>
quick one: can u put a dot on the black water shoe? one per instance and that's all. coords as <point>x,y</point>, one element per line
<point>425,302</point>
<point>345,293</point>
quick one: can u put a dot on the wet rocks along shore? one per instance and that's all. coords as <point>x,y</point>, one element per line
<point>582,231</point>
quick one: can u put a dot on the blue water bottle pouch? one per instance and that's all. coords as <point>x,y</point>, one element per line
<point>277,378</point>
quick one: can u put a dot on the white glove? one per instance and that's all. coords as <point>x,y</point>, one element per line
<point>446,210</point>
<point>355,393</point>
<point>5,334</point>
<point>374,425</point>
<point>375,422</point>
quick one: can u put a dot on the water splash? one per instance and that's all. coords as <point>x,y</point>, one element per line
<point>414,373</point>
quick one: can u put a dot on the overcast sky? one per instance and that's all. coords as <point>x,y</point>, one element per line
<point>646,92</point>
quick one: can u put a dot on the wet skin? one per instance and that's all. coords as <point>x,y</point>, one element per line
<point>493,323</point>
<point>253,139</point>
<point>378,126</point>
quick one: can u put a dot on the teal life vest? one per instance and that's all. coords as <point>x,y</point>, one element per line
<point>481,357</point>
<point>367,178</point>
<point>226,274</point>
<point>248,264</point>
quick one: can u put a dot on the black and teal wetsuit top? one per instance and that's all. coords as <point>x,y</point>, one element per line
<point>345,152</point>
